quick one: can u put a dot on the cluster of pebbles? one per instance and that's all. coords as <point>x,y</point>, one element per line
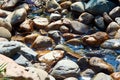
<point>60,39</point>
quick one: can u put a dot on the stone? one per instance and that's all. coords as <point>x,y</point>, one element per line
<point>102,76</point>
<point>54,25</point>
<point>55,16</point>
<point>115,75</point>
<point>24,5</point>
<point>117,19</point>
<point>17,16</point>
<point>115,12</point>
<point>117,35</point>
<point>99,7</point>
<point>9,4</point>
<point>78,6</point>
<point>31,38</point>
<point>111,44</point>
<point>52,5</point>
<point>86,18</point>
<point>71,78</point>
<point>99,65</point>
<point>51,57</point>
<point>27,26</point>
<point>3,39</point>
<point>40,22</point>
<point>66,4</point>
<point>5,33</point>
<point>64,29</point>
<point>69,69</point>
<point>95,39</point>
<point>42,42</point>
<point>18,38</point>
<point>107,18</point>
<point>112,29</point>
<point>99,22</point>
<point>4,13</point>
<point>74,42</point>
<point>6,24</point>
<point>12,68</point>
<point>79,27</point>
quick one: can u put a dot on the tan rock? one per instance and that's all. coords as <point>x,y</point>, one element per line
<point>116,75</point>
<point>117,35</point>
<point>18,38</point>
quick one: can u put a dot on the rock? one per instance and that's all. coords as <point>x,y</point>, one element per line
<point>27,26</point>
<point>99,22</point>
<point>78,6</point>
<point>54,25</point>
<point>8,4</point>
<point>102,76</point>
<point>69,69</point>
<point>51,57</point>
<point>74,42</point>
<point>55,17</point>
<point>42,42</point>
<point>115,75</point>
<point>111,44</point>
<point>3,39</point>
<point>52,5</point>
<point>86,18</point>
<point>79,27</point>
<point>5,33</point>
<point>40,22</point>
<point>117,35</point>
<point>115,12</point>
<point>6,24</point>
<point>88,73</point>
<point>31,38</point>
<point>117,19</point>
<point>4,13</point>
<point>17,16</point>
<point>9,49</point>
<point>24,5</point>
<point>64,29</point>
<point>112,29</point>
<point>99,7</point>
<point>107,18</point>
<point>12,68</point>
<point>99,65</point>
<point>71,78</point>
<point>18,38</point>
<point>95,39</point>
<point>66,4</point>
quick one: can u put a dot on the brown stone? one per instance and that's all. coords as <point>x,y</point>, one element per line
<point>116,75</point>
<point>18,38</point>
<point>66,4</point>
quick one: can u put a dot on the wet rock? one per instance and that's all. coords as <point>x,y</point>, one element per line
<point>100,65</point>
<point>78,6</point>
<point>117,19</point>
<point>99,7</point>
<point>102,76</point>
<point>18,38</point>
<point>95,39</point>
<point>40,22</point>
<point>9,49</point>
<point>115,12</point>
<point>111,44</point>
<point>17,16</point>
<point>115,75</point>
<point>30,38</point>
<point>112,29</point>
<point>99,22</point>
<point>42,42</point>
<point>88,73</point>
<point>8,4</point>
<point>52,5</point>
<point>66,4</point>
<point>6,24</point>
<point>51,57</point>
<point>5,33</point>
<point>86,18</point>
<point>12,68</point>
<point>69,69</point>
<point>107,18</point>
<point>71,78</point>
<point>55,17</point>
<point>27,25</point>
<point>64,29</point>
<point>68,36</point>
<point>4,13</point>
<point>79,27</point>
<point>54,25</point>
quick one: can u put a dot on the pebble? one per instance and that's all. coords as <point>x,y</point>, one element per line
<point>115,75</point>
